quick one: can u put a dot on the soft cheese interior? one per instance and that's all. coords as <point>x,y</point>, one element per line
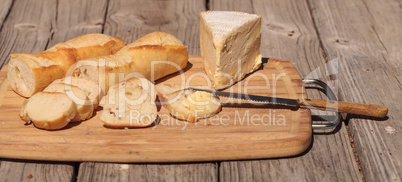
<point>230,43</point>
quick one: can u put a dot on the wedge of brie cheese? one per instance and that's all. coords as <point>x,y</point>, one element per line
<point>230,43</point>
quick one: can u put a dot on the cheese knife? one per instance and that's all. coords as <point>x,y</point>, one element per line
<point>372,110</point>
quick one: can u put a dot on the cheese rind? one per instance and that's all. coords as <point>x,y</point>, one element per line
<point>230,43</point>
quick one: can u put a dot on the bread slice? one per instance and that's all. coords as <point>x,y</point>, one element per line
<point>187,104</point>
<point>49,110</point>
<point>152,57</point>
<point>130,104</point>
<point>92,89</point>
<point>31,73</point>
<point>23,113</point>
<point>84,106</point>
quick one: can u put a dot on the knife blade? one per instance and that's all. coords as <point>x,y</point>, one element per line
<point>256,98</point>
<point>378,111</point>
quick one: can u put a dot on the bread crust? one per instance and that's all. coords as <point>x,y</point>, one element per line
<point>43,68</point>
<point>154,38</point>
<point>23,113</point>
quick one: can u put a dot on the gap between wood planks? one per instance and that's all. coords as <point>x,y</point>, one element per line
<point>104,17</point>
<point>354,152</point>
<point>207,5</point>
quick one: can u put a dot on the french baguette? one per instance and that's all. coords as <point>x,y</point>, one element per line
<point>187,104</point>
<point>31,73</point>
<point>152,57</point>
<point>130,103</point>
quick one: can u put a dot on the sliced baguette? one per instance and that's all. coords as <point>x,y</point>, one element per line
<point>130,104</point>
<point>84,105</point>
<point>153,56</point>
<point>49,110</point>
<point>92,89</point>
<point>187,104</point>
<point>31,73</point>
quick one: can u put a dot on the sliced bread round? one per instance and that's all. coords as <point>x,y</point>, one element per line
<point>78,96</point>
<point>130,104</point>
<point>92,89</point>
<point>187,104</point>
<point>49,110</point>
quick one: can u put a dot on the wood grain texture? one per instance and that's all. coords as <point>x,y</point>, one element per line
<point>27,28</point>
<point>288,32</point>
<point>375,52</point>
<point>90,171</point>
<point>233,134</point>
<point>33,27</point>
<point>5,8</point>
<point>11,171</point>
<point>77,17</point>
<point>132,19</point>
<point>320,167</point>
<point>369,71</point>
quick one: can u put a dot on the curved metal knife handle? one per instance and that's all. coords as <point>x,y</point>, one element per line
<point>330,125</point>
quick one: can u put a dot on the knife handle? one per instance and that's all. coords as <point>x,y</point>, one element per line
<point>378,111</point>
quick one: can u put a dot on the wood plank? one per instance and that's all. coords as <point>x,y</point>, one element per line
<point>4,11</point>
<point>77,17</point>
<point>26,28</point>
<point>90,171</point>
<point>32,27</point>
<point>131,20</point>
<point>320,163</point>
<point>364,38</point>
<point>288,33</point>
<point>32,170</point>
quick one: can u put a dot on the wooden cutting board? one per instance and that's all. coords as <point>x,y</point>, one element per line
<point>235,133</point>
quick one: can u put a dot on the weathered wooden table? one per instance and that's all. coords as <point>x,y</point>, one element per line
<point>355,44</point>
